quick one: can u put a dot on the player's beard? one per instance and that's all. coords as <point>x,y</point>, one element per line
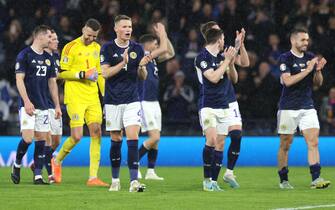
<point>302,48</point>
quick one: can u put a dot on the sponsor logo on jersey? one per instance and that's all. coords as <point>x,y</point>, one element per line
<point>24,122</point>
<point>133,55</point>
<point>33,61</point>
<point>295,65</point>
<point>108,123</point>
<point>115,55</point>
<point>206,122</point>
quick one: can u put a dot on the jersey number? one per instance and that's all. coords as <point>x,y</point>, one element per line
<point>125,67</point>
<point>41,71</point>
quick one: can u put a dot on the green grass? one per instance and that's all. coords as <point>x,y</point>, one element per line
<point>182,189</point>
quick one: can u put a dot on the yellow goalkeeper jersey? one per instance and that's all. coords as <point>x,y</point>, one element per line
<point>76,57</point>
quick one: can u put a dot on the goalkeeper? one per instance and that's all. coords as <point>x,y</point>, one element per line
<point>80,65</point>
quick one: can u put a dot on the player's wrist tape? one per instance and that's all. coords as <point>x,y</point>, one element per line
<point>81,75</point>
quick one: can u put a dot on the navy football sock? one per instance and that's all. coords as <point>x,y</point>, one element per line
<point>142,151</point>
<point>283,174</point>
<point>234,148</point>
<point>218,157</point>
<point>47,160</point>
<point>22,148</point>
<point>152,157</point>
<point>315,171</point>
<point>207,156</point>
<point>115,158</point>
<point>133,159</point>
<point>39,157</point>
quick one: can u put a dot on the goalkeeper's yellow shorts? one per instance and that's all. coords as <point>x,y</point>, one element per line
<point>84,113</point>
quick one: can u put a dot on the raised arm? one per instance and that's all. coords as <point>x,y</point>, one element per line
<point>163,45</point>
<point>110,71</point>
<point>215,76</point>
<point>318,78</point>
<point>232,73</point>
<point>288,80</point>
<point>242,58</point>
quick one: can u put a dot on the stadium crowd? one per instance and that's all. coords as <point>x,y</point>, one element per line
<point>267,24</point>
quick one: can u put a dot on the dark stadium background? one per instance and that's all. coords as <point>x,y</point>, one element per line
<point>267,24</point>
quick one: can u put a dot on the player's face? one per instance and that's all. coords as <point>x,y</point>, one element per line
<point>53,45</point>
<point>45,39</point>
<point>124,29</point>
<point>300,41</point>
<point>151,46</point>
<point>89,35</point>
<point>221,43</point>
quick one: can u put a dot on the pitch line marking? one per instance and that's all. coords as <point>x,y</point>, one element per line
<point>307,207</point>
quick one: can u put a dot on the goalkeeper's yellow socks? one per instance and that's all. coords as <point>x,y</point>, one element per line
<point>66,149</point>
<point>94,156</point>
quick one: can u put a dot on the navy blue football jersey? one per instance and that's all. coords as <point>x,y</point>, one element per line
<point>299,95</point>
<point>55,60</point>
<point>122,87</point>
<point>148,89</point>
<point>38,68</point>
<point>211,95</point>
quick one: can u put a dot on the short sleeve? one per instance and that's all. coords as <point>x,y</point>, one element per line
<point>105,57</point>
<point>202,63</point>
<point>21,64</point>
<point>283,64</point>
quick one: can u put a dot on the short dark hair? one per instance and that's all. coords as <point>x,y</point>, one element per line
<point>212,35</point>
<point>121,17</point>
<point>206,26</point>
<point>93,24</point>
<point>295,31</point>
<point>147,38</point>
<point>41,29</point>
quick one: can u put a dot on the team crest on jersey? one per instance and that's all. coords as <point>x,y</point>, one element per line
<point>24,122</point>
<point>95,54</point>
<point>65,59</point>
<point>57,62</point>
<point>151,123</point>
<point>108,123</point>
<point>282,67</point>
<point>133,55</point>
<point>203,64</point>
<point>47,61</point>
<point>206,122</point>
<point>102,58</point>
<point>17,66</point>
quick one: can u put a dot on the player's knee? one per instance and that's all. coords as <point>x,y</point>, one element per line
<point>116,135</point>
<point>313,144</point>
<point>28,139</point>
<point>219,146</point>
<point>96,132</point>
<point>76,137</point>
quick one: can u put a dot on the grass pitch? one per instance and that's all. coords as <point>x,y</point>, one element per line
<point>182,189</point>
